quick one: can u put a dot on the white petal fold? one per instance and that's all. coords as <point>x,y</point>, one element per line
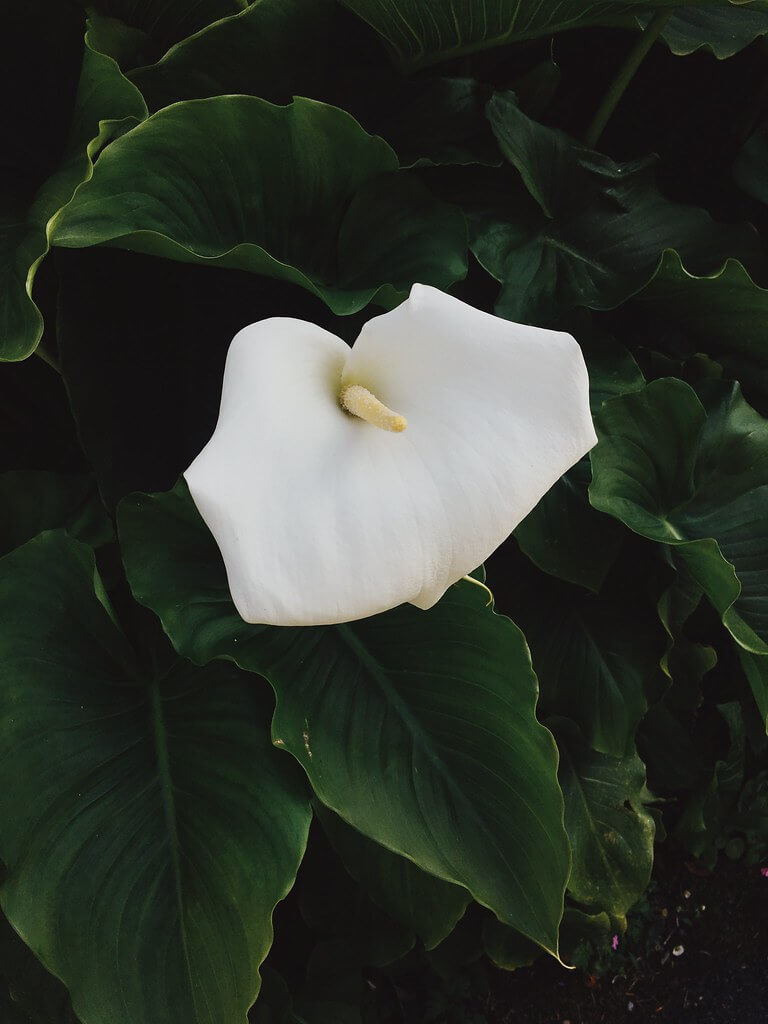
<point>322,517</point>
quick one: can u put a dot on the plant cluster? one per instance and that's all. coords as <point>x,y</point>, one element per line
<point>414,790</point>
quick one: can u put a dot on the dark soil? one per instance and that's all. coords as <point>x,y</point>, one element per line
<point>721,976</point>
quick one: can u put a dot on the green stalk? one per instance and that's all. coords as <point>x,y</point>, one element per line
<point>48,358</point>
<point>618,86</point>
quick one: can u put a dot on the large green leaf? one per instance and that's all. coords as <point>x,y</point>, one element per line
<point>284,191</point>
<point>149,828</point>
<point>610,830</point>
<point>427,906</point>
<point>723,313</point>
<point>25,226</point>
<point>272,49</point>
<point>417,728</point>
<point>723,29</point>
<point>695,478</point>
<point>424,32</point>
<point>578,229</point>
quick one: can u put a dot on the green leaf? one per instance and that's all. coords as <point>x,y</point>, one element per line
<point>704,819</point>
<point>140,31</point>
<point>428,121</point>
<point>326,225</point>
<point>695,478</point>
<point>722,29</point>
<point>610,830</point>
<point>149,827</point>
<point>417,728</point>
<point>612,370</point>
<point>32,501</point>
<point>25,226</point>
<point>423,32</point>
<point>685,663</point>
<point>334,905</point>
<point>426,905</point>
<point>577,228</point>
<point>565,536</point>
<point>506,948</point>
<point>272,49</point>
<point>596,657</point>
<point>723,313</point>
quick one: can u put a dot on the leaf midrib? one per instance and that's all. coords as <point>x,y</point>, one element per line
<point>160,736</point>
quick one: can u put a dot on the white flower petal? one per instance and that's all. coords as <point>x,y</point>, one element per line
<point>322,517</point>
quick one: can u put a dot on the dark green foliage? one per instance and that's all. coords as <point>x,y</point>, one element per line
<point>487,784</point>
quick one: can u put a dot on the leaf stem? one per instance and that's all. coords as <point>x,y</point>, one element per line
<point>48,358</point>
<point>618,86</point>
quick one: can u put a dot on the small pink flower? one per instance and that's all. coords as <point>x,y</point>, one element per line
<point>764,872</point>
<point>615,939</point>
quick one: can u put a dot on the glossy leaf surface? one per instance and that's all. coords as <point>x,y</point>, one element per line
<point>150,827</point>
<point>416,727</point>
<point>208,184</point>
<point>695,478</point>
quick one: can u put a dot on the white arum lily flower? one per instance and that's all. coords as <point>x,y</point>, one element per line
<point>341,482</point>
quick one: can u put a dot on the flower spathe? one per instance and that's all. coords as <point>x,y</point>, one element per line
<point>342,482</point>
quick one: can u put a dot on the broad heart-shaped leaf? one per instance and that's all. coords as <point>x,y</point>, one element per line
<point>102,93</point>
<point>422,32</point>
<point>283,191</point>
<point>577,228</point>
<point>272,49</point>
<point>426,905</point>
<point>723,28</point>
<point>417,728</point>
<point>610,830</point>
<point>723,313</point>
<point>695,478</point>
<point>149,828</point>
